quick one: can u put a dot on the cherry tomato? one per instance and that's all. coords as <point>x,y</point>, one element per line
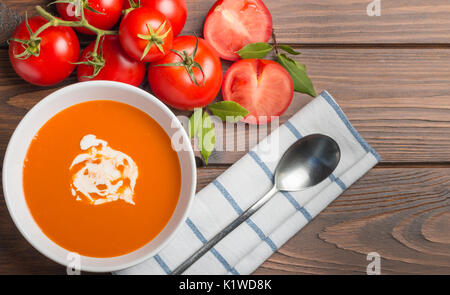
<point>232,24</point>
<point>261,86</point>
<point>174,10</point>
<point>171,82</point>
<point>118,65</point>
<point>102,14</point>
<point>53,58</point>
<point>146,34</point>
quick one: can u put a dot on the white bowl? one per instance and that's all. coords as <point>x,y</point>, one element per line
<point>46,109</point>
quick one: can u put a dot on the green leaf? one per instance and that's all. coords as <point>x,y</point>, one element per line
<point>288,49</point>
<point>302,83</point>
<point>195,122</point>
<point>255,50</point>
<point>207,137</point>
<point>228,111</point>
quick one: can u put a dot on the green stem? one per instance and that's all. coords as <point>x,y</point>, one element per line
<point>32,45</point>
<point>133,6</point>
<point>53,21</point>
<point>275,43</point>
<point>41,29</point>
<point>97,42</point>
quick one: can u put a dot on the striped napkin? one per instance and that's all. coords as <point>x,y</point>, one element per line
<point>222,201</point>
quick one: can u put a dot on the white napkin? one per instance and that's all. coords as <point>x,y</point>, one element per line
<point>222,201</point>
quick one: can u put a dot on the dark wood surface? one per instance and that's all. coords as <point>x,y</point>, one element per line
<point>319,21</point>
<point>391,76</point>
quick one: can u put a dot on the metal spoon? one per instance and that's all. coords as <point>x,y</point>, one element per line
<point>309,161</point>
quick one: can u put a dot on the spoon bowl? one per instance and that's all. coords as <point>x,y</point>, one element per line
<point>307,162</point>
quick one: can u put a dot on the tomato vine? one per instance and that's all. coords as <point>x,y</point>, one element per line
<point>32,45</point>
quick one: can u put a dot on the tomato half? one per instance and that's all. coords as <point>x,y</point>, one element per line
<point>59,49</point>
<point>261,86</point>
<point>172,83</point>
<point>102,14</point>
<point>174,10</point>
<point>146,34</point>
<point>118,65</point>
<point>232,24</point>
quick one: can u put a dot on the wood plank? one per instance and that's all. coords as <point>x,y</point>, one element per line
<point>398,99</point>
<point>314,22</point>
<point>346,21</point>
<point>405,221</point>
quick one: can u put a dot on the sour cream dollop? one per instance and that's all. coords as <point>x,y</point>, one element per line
<point>102,174</point>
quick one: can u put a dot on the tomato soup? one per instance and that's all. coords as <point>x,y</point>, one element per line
<point>101,178</point>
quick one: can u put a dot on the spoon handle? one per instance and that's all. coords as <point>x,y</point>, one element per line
<point>217,238</point>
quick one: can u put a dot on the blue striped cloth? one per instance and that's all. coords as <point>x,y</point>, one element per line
<point>222,201</point>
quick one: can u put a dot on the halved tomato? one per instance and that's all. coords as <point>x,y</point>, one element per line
<point>261,86</point>
<point>232,24</point>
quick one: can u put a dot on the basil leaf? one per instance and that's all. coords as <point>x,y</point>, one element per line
<point>195,122</point>
<point>302,83</point>
<point>288,49</point>
<point>207,137</point>
<point>255,50</point>
<point>228,111</point>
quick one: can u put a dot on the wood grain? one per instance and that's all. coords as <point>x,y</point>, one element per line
<point>316,22</point>
<point>405,220</point>
<point>398,99</point>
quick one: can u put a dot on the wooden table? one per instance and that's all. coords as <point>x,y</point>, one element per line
<point>390,74</point>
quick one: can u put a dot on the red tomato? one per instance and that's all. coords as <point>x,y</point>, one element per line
<point>118,65</point>
<point>146,34</point>
<point>173,84</point>
<point>174,10</point>
<point>59,49</point>
<point>261,86</point>
<point>232,24</point>
<point>106,16</point>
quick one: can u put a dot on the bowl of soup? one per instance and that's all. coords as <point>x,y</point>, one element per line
<point>99,175</point>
